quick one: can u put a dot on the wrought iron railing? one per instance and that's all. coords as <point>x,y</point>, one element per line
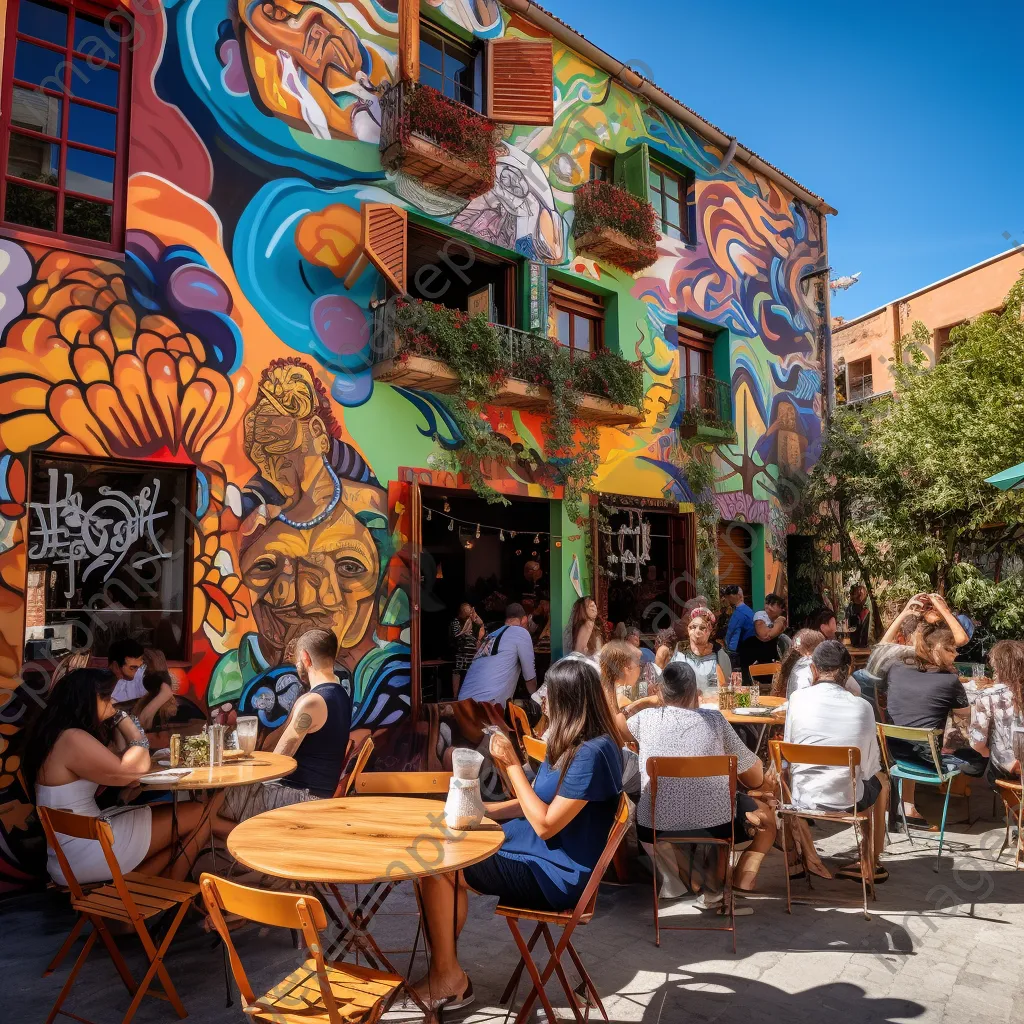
<point>517,346</point>
<point>706,401</point>
<point>392,102</point>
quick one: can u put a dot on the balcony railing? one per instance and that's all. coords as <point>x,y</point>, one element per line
<point>425,373</point>
<point>458,162</point>
<point>707,406</point>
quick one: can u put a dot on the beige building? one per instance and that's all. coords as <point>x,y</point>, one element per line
<point>863,348</point>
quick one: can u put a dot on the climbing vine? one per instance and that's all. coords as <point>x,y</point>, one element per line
<point>696,458</point>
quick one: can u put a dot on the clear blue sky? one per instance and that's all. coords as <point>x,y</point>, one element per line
<point>907,116</point>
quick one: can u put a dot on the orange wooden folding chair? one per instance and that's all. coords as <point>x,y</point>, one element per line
<point>132,899</point>
<point>568,922</point>
<point>830,757</point>
<point>348,780</point>
<point>536,750</point>
<point>320,990</point>
<point>762,676</point>
<point>519,722</point>
<point>693,768</point>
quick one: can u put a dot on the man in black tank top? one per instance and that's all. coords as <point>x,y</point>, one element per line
<point>315,733</point>
<point>316,730</point>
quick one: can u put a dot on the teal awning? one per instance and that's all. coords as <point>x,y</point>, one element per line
<point>1009,479</point>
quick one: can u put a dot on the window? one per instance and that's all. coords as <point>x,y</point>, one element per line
<point>108,546</point>
<point>577,318</point>
<point>601,166</point>
<point>669,198</point>
<point>451,66</point>
<point>858,378</point>
<point>65,97</point>
<point>696,348</point>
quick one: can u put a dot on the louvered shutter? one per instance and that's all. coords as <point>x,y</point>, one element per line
<point>520,81</point>
<point>633,171</point>
<point>386,241</point>
<point>735,550</point>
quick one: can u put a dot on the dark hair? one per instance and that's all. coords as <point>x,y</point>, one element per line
<point>577,617</point>
<point>121,650</point>
<point>320,644</point>
<point>820,617</point>
<point>805,642</point>
<point>774,599</point>
<point>578,709</point>
<point>925,643</point>
<point>832,657</point>
<point>633,631</point>
<point>72,706</point>
<point>678,683</point>
<point>514,611</point>
<point>730,590</point>
<point>1007,659</point>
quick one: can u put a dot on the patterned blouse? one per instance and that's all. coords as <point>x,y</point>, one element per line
<point>992,722</point>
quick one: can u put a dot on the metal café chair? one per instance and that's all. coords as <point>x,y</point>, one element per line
<point>693,768</point>
<point>937,775</point>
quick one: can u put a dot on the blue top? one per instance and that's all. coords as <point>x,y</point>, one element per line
<point>562,865</point>
<point>741,626</point>
<point>646,655</point>
<point>321,754</point>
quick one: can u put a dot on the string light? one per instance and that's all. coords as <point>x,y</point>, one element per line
<point>476,528</point>
<point>477,531</point>
<point>430,515</point>
<point>451,525</point>
<point>536,538</point>
<point>501,535</point>
<point>558,543</point>
<point>447,507</point>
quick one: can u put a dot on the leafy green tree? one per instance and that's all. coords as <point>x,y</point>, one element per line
<point>899,490</point>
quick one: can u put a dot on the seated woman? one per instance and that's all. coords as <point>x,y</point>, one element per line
<point>555,831</point>
<point>795,670</point>
<point>710,665</point>
<point>921,695</point>
<point>158,705</point>
<point>998,710</point>
<point>67,759</point>
<point>693,808</point>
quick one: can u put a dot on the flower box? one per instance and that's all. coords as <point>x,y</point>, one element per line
<point>614,226</point>
<point>447,146</point>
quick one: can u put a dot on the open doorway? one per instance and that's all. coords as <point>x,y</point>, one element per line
<point>488,556</point>
<point>460,276</point>
<point>646,558</point>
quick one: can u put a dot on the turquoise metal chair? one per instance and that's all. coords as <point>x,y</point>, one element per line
<point>913,771</point>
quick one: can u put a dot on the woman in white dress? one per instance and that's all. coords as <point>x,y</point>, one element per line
<point>67,759</point>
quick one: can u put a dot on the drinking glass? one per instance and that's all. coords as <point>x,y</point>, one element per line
<point>978,670</point>
<point>247,729</point>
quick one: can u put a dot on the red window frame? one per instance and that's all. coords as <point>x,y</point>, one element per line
<point>121,112</point>
<point>577,304</point>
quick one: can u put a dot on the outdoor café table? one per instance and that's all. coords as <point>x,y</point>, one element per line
<point>260,766</point>
<point>363,840</point>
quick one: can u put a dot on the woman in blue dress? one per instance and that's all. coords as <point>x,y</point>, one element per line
<point>555,830</point>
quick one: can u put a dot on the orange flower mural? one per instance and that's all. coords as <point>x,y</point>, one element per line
<point>87,374</point>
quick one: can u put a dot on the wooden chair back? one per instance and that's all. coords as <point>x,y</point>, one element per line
<point>348,781</point>
<point>811,753</point>
<point>931,737</point>
<point>588,899</point>
<point>765,671</point>
<point>404,783</point>
<point>519,720</point>
<point>296,911</point>
<point>536,750</point>
<point>82,826</point>
<point>772,702</point>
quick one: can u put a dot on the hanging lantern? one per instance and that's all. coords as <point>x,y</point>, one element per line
<point>447,507</point>
<point>501,535</point>
<point>451,525</point>
<point>477,531</point>
<point>536,538</point>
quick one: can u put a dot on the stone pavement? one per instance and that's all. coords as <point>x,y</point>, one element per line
<point>940,948</point>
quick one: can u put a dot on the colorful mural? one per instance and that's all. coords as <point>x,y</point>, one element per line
<point>234,338</point>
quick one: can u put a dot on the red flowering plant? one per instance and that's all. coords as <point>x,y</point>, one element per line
<point>602,204</point>
<point>459,130</point>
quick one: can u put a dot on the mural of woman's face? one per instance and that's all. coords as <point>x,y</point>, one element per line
<point>285,449</point>
<point>324,577</point>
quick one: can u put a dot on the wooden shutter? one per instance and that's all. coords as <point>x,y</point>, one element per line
<point>520,81</point>
<point>409,40</point>
<point>633,171</point>
<point>735,547</point>
<point>386,242</point>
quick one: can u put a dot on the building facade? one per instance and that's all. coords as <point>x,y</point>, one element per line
<point>863,347</point>
<point>291,291</point>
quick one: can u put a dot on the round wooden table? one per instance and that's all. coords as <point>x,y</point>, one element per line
<point>243,771</point>
<point>359,841</point>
